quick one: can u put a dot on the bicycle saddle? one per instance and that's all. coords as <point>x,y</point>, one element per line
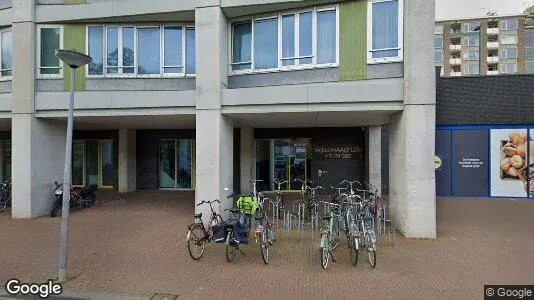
<point>198,216</point>
<point>327,217</point>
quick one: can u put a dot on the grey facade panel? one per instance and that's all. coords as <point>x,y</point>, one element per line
<point>140,84</point>
<point>46,2</point>
<point>49,85</point>
<point>5,87</point>
<point>390,70</point>
<point>485,100</point>
<point>283,78</point>
<point>5,4</point>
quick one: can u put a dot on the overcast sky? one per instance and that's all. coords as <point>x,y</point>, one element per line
<point>464,9</point>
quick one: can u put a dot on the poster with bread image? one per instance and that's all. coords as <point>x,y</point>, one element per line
<point>509,163</point>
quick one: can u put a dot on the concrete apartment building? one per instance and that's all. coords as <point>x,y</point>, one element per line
<point>207,94</point>
<point>491,45</point>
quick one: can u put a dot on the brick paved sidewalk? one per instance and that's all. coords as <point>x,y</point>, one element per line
<point>134,244</point>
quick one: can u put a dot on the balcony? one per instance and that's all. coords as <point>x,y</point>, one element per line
<point>493,59</point>
<point>493,45</point>
<point>456,61</point>
<point>454,47</point>
<point>494,72</point>
<point>493,31</point>
<point>456,74</point>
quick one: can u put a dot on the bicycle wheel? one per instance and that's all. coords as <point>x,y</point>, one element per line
<point>196,243</point>
<point>371,249</point>
<point>323,251</point>
<point>353,250</point>
<point>230,247</point>
<point>264,247</point>
<point>335,234</point>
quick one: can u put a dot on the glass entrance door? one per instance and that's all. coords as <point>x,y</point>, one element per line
<point>175,167</point>
<point>283,160</point>
<point>93,163</point>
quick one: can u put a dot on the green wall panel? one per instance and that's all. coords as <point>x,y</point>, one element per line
<point>74,39</point>
<point>353,40</point>
<point>74,2</point>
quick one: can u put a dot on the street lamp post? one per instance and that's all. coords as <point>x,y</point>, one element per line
<point>74,60</point>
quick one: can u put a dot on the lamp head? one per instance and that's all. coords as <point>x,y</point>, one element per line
<point>73,58</point>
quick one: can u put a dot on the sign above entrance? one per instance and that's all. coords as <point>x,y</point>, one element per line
<point>337,152</point>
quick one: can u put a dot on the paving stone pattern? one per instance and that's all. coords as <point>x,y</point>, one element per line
<point>134,244</point>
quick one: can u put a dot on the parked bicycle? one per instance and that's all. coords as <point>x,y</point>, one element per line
<point>198,235</point>
<point>5,195</point>
<point>264,231</point>
<point>330,233</point>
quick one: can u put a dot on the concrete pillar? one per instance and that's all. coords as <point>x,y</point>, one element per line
<point>40,144</point>
<point>412,132</point>
<point>374,156</point>
<point>127,160</point>
<point>247,158</point>
<point>214,131</point>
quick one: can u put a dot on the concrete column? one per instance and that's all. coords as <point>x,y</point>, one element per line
<point>412,132</point>
<point>127,160</point>
<point>40,144</point>
<point>374,156</point>
<point>247,158</point>
<point>214,131</point>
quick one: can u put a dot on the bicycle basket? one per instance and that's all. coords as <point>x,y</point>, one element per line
<point>218,233</point>
<point>247,205</point>
<point>240,233</point>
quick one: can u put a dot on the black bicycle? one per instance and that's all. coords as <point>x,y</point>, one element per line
<point>198,235</point>
<point>5,195</point>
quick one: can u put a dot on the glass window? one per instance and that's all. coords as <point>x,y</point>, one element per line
<point>49,42</point>
<point>148,54</point>
<point>529,54</point>
<point>529,67</point>
<point>529,37</point>
<point>385,29</point>
<point>242,46</point>
<point>265,44</point>
<point>472,41</point>
<point>288,40</point>
<point>509,39</point>
<point>471,55</point>
<point>439,57</point>
<point>438,43</point>
<point>305,38</point>
<point>6,52</point>
<point>438,29</point>
<point>472,69</point>
<point>172,39</point>
<point>509,68</point>
<point>96,36</point>
<point>471,27</point>
<point>190,59</point>
<point>509,53</point>
<point>112,50</point>
<point>509,25</point>
<point>326,37</point>
<point>128,52</point>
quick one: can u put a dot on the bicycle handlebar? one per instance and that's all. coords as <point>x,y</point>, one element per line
<point>208,202</point>
<point>330,203</point>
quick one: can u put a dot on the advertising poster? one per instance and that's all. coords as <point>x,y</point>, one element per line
<point>470,163</point>
<point>509,165</point>
<point>531,163</point>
